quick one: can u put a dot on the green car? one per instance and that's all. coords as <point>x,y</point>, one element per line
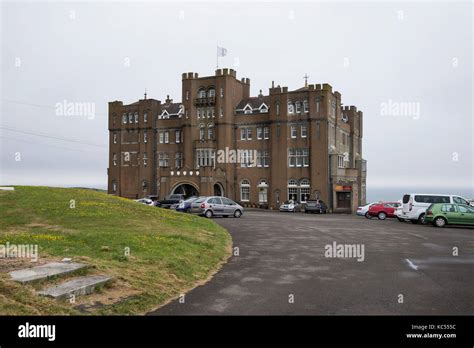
<point>441,214</point>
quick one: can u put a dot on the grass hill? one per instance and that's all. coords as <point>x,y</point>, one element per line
<point>170,252</point>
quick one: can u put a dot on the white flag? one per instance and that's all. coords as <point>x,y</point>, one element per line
<point>221,51</point>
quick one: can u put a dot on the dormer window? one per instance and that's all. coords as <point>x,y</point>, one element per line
<point>247,109</point>
<point>263,108</point>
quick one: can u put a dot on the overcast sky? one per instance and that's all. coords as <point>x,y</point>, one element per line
<point>380,56</point>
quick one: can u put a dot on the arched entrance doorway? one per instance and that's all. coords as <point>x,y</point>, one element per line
<point>218,189</point>
<point>187,190</point>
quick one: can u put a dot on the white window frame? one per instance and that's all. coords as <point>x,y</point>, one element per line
<point>259,133</point>
<point>161,136</point>
<point>245,190</point>
<point>266,132</point>
<point>167,137</point>
<point>177,136</point>
<point>293,132</point>
<point>304,131</point>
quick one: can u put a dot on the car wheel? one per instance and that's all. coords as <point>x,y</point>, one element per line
<point>382,216</point>
<point>237,213</point>
<point>208,214</point>
<point>439,222</point>
<point>400,219</point>
<point>421,219</point>
<point>367,215</point>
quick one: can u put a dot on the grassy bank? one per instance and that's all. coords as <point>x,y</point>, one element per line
<point>169,252</point>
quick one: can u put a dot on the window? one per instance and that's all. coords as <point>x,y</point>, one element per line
<point>163,159</point>
<point>209,112</point>
<point>245,190</point>
<point>247,109</point>
<point>145,117</point>
<point>114,186</point>
<point>305,192</point>
<point>340,161</point>
<point>259,133</point>
<point>246,158</point>
<point>205,157</point>
<point>115,138</point>
<point>211,93</point>
<point>222,92</point>
<point>263,191</point>
<point>161,137</point>
<point>464,209</point>
<point>144,185</point>
<point>266,133</point>
<point>293,132</point>
<point>298,157</point>
<point>130,118</point>
<point>448,208</point>
<point>167,137</point>
<point>145,159</point>
<point>177,136</point>
<point>292,193</point>
<point>145,137</point>
<point>187,95</point>
<point>202,132</point>
<point>179,159</point>
<point>298,107</point>
<point>246,134</point>
<point>263,109</point>
<point>210,132</point>
<point>221,112</point>
<point>114,159</point>
<point>124,118</point>
<point>291,108</point>
<point>263,158</point>
<point>305,106</point>
<point>199,112</point>
<point>202,93</point>
<point>460,200</point>
<point>277,109</point>
<point>136,117</point>
<point>317,106</point>
<point>304,131</point>
<point>291,157</point>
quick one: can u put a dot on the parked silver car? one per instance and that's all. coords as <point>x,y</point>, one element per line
<point>216,206</point>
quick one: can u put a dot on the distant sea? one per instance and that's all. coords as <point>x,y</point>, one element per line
<point>395,193</point>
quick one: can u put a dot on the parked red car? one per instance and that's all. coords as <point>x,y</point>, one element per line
<point>383,210</point>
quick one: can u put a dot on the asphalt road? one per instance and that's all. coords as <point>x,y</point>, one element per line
<point>282,269</point>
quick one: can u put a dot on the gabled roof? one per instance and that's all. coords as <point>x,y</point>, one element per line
<point>171,108</point>
<point>254,102</point>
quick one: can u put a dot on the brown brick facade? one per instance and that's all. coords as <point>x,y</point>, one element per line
<point>306,144</point>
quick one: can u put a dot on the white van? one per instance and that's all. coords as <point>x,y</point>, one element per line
<point>415,204</point>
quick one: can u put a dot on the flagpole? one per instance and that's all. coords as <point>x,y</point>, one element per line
<point>217,57</point>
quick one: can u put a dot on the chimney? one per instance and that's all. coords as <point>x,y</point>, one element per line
<point>168,100</point>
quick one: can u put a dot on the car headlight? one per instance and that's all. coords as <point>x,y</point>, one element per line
<point>181,205</point>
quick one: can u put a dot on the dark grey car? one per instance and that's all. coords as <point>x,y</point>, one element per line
<point>216,206</point>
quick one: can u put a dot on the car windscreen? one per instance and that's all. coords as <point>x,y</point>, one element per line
<point>406,199</point>
<point>200,200</point>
